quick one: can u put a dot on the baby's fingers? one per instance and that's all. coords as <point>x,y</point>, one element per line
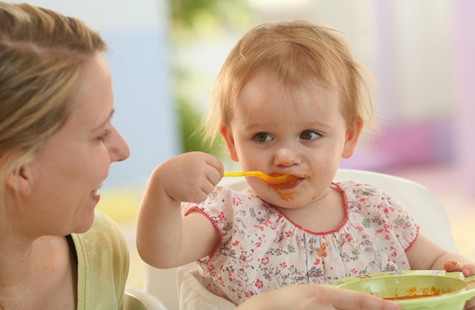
<point>468,270</point>
<point>453,265</point>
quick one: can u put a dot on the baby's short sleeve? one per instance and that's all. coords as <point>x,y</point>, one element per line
<point>219,208</point>
<point>383,215</point>
<point>401,221</point>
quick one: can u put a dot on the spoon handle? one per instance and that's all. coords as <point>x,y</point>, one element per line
<point>242,174</point>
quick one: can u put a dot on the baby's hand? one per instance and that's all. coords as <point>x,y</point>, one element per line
<point>467,270</point>
<point>190,177</point>
<point>453,265</point>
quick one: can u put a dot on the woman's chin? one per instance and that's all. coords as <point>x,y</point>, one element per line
<point>85,224</point>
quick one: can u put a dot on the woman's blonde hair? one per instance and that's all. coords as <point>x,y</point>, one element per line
<point>42,55</point>
<point>295,53</point>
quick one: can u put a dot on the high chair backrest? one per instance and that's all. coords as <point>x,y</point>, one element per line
<point>421,203</point>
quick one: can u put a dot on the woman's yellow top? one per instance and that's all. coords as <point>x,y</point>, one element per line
<point>102,265</point>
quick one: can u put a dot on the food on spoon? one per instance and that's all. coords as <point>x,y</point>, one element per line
<point>280,180</point>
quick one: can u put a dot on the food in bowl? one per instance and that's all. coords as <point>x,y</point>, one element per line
<point>423,289</point>
<point>408,286</point>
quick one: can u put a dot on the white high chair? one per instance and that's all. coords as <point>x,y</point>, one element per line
<point>137,299</point>
<point>178,288</point>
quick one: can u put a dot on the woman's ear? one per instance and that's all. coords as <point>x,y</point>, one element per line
<point>227,134</point>
<point>19,180</point>
<point>351,138</point>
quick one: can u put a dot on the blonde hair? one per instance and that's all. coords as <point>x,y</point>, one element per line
<point>295,52</point>
<point>42,55</point>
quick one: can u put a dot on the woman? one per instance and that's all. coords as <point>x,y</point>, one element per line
<point>56,146</point>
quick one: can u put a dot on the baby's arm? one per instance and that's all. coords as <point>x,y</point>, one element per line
<point>425,254</point>
<point>164,238</point>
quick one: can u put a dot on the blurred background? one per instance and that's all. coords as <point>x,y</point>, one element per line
<point>164,56</point>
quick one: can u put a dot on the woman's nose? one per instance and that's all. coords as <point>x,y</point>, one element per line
<point>118,149</point>
<point>286,157</point>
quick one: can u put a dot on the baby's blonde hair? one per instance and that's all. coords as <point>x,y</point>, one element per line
<point>42,56</point>
<point>294,52</point>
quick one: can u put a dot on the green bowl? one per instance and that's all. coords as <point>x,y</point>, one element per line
<point>421,289</point>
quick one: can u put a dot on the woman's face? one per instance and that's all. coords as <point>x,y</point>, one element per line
<point>292,130</point>
<point>68,170</point>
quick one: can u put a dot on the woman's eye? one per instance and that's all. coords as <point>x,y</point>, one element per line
<point>309,135</point>
<point>104,136</point>
<point>262,137</point>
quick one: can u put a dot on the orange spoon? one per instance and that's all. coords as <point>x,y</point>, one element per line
<point>274,180</point>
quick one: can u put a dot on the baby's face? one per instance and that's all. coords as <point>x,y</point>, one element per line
<point>289,130</point>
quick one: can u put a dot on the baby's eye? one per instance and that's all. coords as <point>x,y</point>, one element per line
<point>309,135</point>
<point>104,136</point>
<point>262,137</point>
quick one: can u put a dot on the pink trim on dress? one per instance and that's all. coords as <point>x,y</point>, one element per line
<point>415,238</point>
<point>343,223</point>
<point>196,209</point>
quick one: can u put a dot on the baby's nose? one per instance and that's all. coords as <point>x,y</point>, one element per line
<point>286,156</point>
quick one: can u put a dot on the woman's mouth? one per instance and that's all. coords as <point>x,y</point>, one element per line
<point>95,195</point>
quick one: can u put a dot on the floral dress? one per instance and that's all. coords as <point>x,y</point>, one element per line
<point>261,249</point>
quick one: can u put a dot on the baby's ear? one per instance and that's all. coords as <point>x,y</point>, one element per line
<point>227,134</point>
<point>351,138</point>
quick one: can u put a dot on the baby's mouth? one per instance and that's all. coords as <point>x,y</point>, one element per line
<point>289,182</point>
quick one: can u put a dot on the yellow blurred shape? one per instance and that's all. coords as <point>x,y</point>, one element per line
<point>462,230</point>
<point>121,205</point>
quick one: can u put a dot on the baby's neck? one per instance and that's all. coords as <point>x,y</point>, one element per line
<point>323,215</point>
